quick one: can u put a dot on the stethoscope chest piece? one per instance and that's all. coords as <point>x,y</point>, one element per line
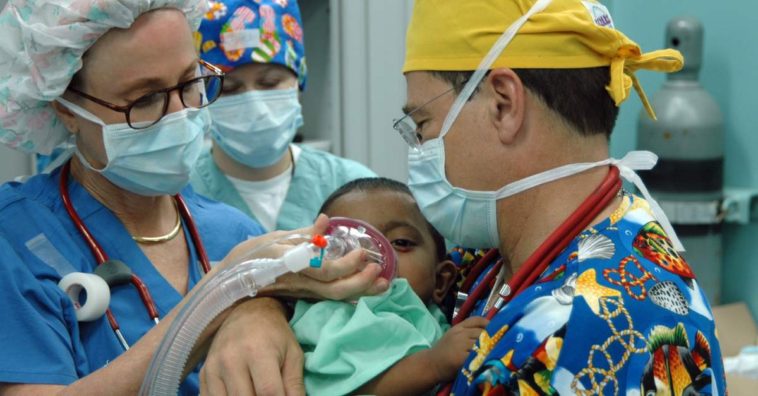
<point>114,272</point>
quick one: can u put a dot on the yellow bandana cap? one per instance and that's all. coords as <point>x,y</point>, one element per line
<point>454,35</point>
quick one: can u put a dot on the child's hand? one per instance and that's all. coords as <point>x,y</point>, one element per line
<point>412,374</point>
<point>448,355</point>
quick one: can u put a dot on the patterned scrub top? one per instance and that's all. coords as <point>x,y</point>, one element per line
<point>619,312</point>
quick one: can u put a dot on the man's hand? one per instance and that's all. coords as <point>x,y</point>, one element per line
<point>254,353</point>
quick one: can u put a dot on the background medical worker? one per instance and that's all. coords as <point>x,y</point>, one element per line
<point>123,80</point>
<point>602,301</point>
<point>253,164</point>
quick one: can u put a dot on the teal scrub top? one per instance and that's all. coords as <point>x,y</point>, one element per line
<point>40,339</point>
<point>317,175</point>
<point>348,344</point>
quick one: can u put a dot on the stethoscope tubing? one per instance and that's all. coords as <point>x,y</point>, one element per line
<point>541,259</point>
<point>556,242</point>
<point>101,256</point>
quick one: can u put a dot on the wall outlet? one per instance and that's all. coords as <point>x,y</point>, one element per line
<point>740,205</point>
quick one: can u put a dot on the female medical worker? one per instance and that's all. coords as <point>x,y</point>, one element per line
<point>122,79</point>
<point>253,165</point>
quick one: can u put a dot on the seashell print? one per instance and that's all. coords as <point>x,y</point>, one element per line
<point>668,296</point>
<point>565,293</point>
<point>596,246</point>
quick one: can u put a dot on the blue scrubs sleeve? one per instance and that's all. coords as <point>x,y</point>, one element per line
<point>35,339</point>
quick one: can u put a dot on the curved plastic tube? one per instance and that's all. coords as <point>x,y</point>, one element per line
<point>219,293</point>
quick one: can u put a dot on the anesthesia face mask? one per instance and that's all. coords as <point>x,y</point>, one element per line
<point>345,235</point>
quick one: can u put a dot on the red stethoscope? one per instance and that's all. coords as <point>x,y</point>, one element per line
<point>102,257</point>
<point>540,260</point>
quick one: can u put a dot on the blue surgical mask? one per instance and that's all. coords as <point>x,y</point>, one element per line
<point>462,217</point>
<point>255,128</point>
<point>156,160</point>
<point>469,217</point>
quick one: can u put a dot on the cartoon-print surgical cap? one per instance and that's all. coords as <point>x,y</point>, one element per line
<point>41,47</point>
<point>238,32</point>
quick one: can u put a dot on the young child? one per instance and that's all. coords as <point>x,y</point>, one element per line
<point>398,342</point>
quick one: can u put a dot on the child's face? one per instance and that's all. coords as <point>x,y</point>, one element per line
<point>396,215</point>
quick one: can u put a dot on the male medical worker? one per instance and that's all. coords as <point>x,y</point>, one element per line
<point>253,164</point>
<point>122,81</point>
<point>510,106</point>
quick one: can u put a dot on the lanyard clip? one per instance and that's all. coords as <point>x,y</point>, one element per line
<point>505,291</point>
<point>460,299</point>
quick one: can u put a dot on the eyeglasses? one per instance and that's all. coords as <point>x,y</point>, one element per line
<point>408,129</point>
<point>148,109</point>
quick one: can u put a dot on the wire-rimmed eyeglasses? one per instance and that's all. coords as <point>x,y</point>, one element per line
<point>407,128</point>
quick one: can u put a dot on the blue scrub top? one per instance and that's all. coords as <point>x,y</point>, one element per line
<point>40,338</point>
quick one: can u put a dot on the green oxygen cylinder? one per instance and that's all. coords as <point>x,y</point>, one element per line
<point>689,140</point>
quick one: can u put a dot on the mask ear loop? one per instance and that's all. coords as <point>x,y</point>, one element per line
<point>645,160</point>
<point>81,112</point>
<point>486,63</point>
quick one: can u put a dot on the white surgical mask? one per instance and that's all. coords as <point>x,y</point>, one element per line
<point>255,128</point>
<point>156,160</point>
<point>468,217</point>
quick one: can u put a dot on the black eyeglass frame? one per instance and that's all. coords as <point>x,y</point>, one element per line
<point>217,73</point>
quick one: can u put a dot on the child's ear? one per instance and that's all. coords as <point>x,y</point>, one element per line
<point>445,276</point>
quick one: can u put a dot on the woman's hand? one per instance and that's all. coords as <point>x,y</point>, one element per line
<point>254,353</point>
<point>348,278</point>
